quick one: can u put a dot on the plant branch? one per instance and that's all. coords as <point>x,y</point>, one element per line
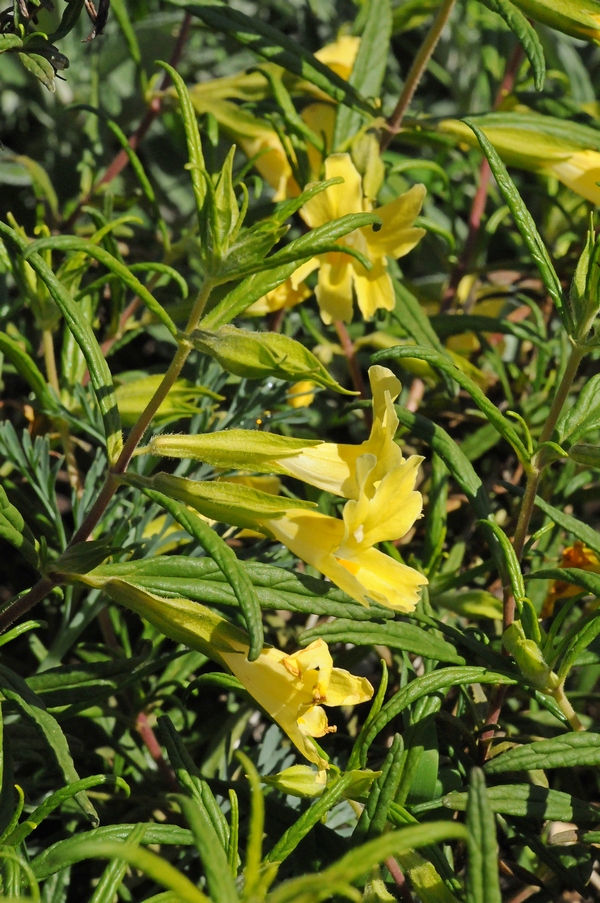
<point>417,70</point>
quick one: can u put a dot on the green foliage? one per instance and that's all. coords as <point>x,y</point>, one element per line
<point>170,252</point>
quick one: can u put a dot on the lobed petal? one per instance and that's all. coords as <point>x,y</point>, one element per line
<point>374,287</point>
<point>334,288</point>
<point>397,235</point>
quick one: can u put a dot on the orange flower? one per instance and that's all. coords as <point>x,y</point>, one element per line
<point>576,556</point>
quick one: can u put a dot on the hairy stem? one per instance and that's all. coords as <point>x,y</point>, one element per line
<point>567,709</point>
<point>417,71</point>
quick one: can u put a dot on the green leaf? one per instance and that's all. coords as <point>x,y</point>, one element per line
<point>15,531</point>
<point>360,860</point>
<point>587,580</point>
<point>201,580</point>
<point>123,272</point>
<point>28,369</point>
<point>69,20</point>
<point>10,42</point>
<point>150,864</point>
<point>374,815</point>
<point>39,178</point>
<point>226,559</point>
<point>511,572</point>
<point>212,855</point>
<point>40,68</point>
<point>571,524</point>
<point>288,842</point>
<point>276,47</point>
<point>566,751</point>
<point>397,635</point>
<point>55,800</point>
<point>525,223</point>
<point>526,34</point>
<point>16,690</point>
<point>442,363</point>
<point>100,375</point>
<point>68,852</point>
<point>368,70</point>
<point>427,685</point>
<point>524,801</point>
<point>584,415</point>
<point>196,157</point>
<point>188,774</point>
<point>482,885</point>
<point>446,325</point>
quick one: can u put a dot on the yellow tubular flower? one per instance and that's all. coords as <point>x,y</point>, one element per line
<point>385,509</point>
<point>293,689</point>
<point>581,173</point>
<point>339,273</point>
<point>288,294</point>
<point>332,466</point>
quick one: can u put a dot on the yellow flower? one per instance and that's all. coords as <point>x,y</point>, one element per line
<point>291,688</point>
<point>288,294</point>
<point>301,394</point>
<point>581,173</point>
<point>576,556</point>
<point>342,550</point>
<point>332,466</point>
<point>340,55</point>
<point>339,273</point>
<point>294,688</point>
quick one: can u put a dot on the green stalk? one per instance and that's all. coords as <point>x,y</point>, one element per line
<point>417,71</point>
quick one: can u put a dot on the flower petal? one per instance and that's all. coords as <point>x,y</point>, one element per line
<point>337,200</point>
<point>374,288</point>
<point>384,580</point>
<point>334,288</point>
<point>397,235</point>
<point>346,689</point>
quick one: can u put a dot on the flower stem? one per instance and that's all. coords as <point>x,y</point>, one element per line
<point>533,476</point>
<point>567,709</point>
<point>416,72</point>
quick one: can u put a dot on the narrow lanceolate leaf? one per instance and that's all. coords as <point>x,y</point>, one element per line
<point>67,852</point>
<point>524,31</point>
<point>583,416</point>
<point>31,706</point>
<point>100,375</point>
<point>525,801</point>
<point>225,558</point>
<point>369,68</point>
<point>212,855</point>
<point>525,223</point>
<point>192,134</point>
<point>28,369</point>
<point>272,44</point>
<point>15,531</point>
<point>201,580</point>
<point>482,884</point>
<point>298,831</point>
<point>511,573</point>
<point>578,577</point>
<point>124,274</point>
<point>441,363</point>
<point>374,816</point>
<point>360,860</point>
<point>571,524</point>
<point>398,635</point>
<point>55,800</point>
<point>566,751</point>
<point>427,685</point>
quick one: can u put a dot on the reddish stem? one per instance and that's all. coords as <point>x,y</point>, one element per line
<point>121,159</point>
<point>479,201</point>
<point>348,349</point>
